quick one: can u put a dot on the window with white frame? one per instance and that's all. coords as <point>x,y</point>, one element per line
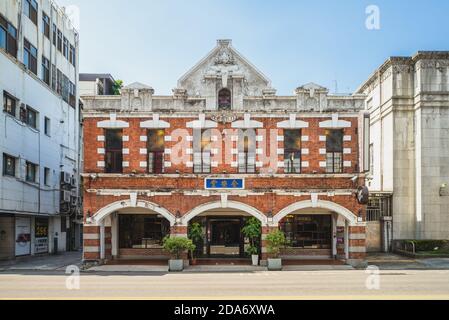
<point>9,165</point>
<point>201,151</point>
<point>292,151</point>
<point>31,172</point>
<point>247,152</point>
<point>334,150</point>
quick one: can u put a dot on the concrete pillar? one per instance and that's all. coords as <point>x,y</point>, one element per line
<point>114,234</point>
<point>102,242</point>
<point>346,239</point>
<point>387,233</point>
<point>264,251</point>
<point>334,235</point>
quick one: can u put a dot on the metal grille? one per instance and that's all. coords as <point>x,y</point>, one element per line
<point>378,206</point>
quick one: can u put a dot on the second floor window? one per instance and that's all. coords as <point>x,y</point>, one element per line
<point>334,151</point>
<point>155,146</point>
<point>30,56</point>
<point>66,48</point>
<point>247,155</point>
<point>292,151</point>
<point>45,70</point>
<point>201,151</point>
<point>59,40</point>
<point>55,34</point>
<point>113,151</point>
<point>9,165</point>
<point>30,10</point>
<point>31,170</point>
<point>31,117</point>
<point>9,104</point>
<point>45,25</point>
<point>72,55</point>
<point>8,37</point>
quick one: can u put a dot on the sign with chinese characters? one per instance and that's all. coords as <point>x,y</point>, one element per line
<point>224,184</point>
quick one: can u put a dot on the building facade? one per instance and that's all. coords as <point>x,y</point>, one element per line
<point>408,99</point>
<point>222,149</point>
<point>96,84</point>
<point>40,130</point>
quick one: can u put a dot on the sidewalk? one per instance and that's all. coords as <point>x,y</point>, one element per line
<point>43,263</point>
<point>391,261</point>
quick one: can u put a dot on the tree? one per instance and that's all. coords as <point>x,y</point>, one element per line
<point>252,230</point>
<point>116,87</point>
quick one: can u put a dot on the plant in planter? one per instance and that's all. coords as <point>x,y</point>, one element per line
<point>252,231</point>
<point>275,241</point>
<point>177,246</point>
<point>195,233</point>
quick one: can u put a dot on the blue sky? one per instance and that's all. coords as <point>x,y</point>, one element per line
<point>292,42</point>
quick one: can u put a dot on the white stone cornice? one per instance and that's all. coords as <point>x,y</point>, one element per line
<point>112,123</point>
<point>156,123</point>
<point>335,123</point>
<point>292,123</point>
<point>247,123</point>
<point>202,123</point>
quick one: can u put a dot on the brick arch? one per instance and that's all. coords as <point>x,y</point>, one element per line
<point>112,207</point>
<point>218,205</point>
<point>346,213</point>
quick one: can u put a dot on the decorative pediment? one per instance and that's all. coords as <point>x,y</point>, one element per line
<point>222,64</point>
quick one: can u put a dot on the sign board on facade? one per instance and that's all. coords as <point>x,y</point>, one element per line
<point>41,235</point>
<point>23,236</point>
<point>224,184</point>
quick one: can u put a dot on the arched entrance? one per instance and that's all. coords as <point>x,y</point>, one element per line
<point>316,230</point>
<point>221,225</point>
<point>133,230</point>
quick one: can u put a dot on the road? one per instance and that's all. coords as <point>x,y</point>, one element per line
<point>350,284</point>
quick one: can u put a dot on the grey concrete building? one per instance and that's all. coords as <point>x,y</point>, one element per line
<point>408,99</point>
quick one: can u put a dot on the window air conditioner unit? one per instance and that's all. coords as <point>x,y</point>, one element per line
<point>74,193</point>
<point>66,178</point>
<point>66,195</point>
<point>73,181</point>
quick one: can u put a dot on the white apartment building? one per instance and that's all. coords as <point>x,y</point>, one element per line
<point>39,130</point>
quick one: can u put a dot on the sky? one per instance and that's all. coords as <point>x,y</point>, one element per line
<point>292,42</point>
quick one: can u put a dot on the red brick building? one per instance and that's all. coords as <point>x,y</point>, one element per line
<point>224,147</point>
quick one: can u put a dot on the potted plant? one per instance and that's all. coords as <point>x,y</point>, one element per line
<point>275,241</point>
<point>252,231</point>
<point>195,234</point>
<point>176,246</point>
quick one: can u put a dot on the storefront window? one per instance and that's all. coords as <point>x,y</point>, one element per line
<point>308,231</point>
<point>142,231</point>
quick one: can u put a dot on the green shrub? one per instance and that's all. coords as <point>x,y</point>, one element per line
<point>275,241</point>
<point>177,245</point>
<point>430,245</point>
<point>252,230</point>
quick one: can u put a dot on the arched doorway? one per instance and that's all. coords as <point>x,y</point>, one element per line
<point>316,230</point>
<point>221,226</point>
<point>136,230</point>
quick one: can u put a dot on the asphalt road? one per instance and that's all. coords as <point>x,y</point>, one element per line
<point>351,284</point>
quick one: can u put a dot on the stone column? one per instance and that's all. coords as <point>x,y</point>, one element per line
<point>91,243</point>
<point>334,235</point>
<point>357,245</point>
<point>102,242</point>
<point>264,251</point>
<point>346,239</point>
